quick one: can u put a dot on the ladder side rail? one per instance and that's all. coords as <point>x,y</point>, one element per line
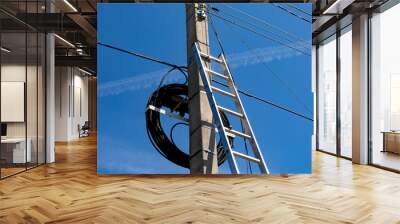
<point>217,116</point>
<point>246,123</point>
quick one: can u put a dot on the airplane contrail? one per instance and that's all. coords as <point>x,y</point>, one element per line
<point>235,60</point>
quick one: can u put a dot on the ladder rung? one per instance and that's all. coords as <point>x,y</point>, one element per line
<point>217,74</point>
<point>230,134</point>
<point>210,57</point>
<point>229,111</point>
<point>238,133</point>
<point>244,156</point>
<point>222,91</point>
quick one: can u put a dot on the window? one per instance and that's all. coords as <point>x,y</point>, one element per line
<point>345,92</point>
<point>327,95</point>
<point>385,89</point>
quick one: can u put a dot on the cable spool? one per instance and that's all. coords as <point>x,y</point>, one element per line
<point>175,97</point>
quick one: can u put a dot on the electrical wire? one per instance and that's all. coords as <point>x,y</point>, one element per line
<point>254,25</point>
<point>245,93</point>
<point>216,36</point>
<point>165,76</point>
<point>296,97</point>
<point>290,90</point>
<point>298,9</point>
<point>143,56</point>
<point>243,24</point>
<point>257,33</point>
<point>174,97</point>
<point>213,28</point>
<point>275,105</point>
<point>155,132</point>
<point>172,130</point>
<point>293,112</point>
<point>291,13</point>
<point>269,25</point>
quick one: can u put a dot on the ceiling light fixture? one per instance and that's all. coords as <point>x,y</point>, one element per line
<point>70,5</point>
<point>337,7</point>
<point>65,41</point>
<point>79,51</point>
<point>84,71</point>
<point>5,50</point>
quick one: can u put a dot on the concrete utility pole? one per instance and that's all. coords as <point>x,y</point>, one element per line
<point>203,154</point>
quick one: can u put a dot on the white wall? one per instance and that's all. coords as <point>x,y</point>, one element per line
<point>80,112</point>
<point>62,82</point>
<point>71,102</point>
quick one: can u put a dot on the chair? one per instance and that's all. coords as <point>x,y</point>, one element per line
<point>84,129</point>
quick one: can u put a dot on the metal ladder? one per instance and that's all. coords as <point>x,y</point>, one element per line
<point>223,131</point>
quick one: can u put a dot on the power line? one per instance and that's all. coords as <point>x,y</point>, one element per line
<point>297,98</point>
<point>276,36</point>
<point>293,36</point>
<point>184,67</point>
<point>298,9</point>
<point>257,33</point>
<point>273,73</point>
<point>275,105</point>
<point>291,13</point>
<point>277,77</point>
<point>217,36</point>
<point>269,102</point>
<point>143,56</point>
<point>252,24</point>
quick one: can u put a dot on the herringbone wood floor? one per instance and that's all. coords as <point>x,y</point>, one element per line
<point>70,191</point>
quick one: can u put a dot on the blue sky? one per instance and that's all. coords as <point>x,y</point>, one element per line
<point>159,30</point>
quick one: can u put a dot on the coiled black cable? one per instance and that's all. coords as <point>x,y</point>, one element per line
<point>175,97</point>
